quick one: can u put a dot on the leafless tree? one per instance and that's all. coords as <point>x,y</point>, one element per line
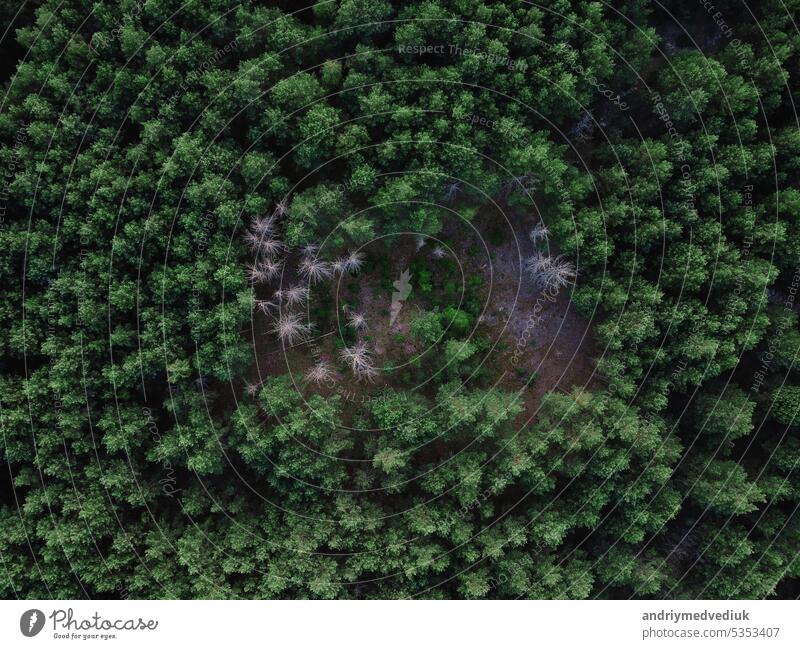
<point>263,271</point>
<point>263,226</point>
<point>526,182</point>
<point>359,359</point>
<point>353,262</point>
<point>270,247</point>
<point>272,268</point>
<point>536,264</point>
<point>540,232</point>
<point>321,372</point>
<point>290,328</point>
<point>550,272</point>
<point>265,306</point>
<point>309,251</point>
<point>251,389</point>
<point>451,190</point>
<point>296,295</point>
<point>339,266</point>
<point>559,273</point>
<point>260,238</point>
<point>251,239</point>
<point>583,130</point>
<point>315,270</point>
<point>281,207</point>
<point>357,321</point>
<point>255,273</point>
<point>438,252</point>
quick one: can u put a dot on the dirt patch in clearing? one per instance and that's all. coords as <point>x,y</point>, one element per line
<point>370,293</point>
<point>531,332</point>
<point>536,332</point>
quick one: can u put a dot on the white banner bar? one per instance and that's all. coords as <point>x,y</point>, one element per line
<point>404,624</point>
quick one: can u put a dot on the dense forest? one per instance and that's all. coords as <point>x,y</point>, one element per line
<point>425,299</point>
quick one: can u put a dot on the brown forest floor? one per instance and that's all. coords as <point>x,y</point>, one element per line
<point>559,345</point>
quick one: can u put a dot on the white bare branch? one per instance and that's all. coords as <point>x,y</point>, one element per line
<point>263,271</point>
<point>321,372</point>
<point>540,232</point>
<point>272,268</point>
<point>359,359</point>
<point>255,273</point>
<point>265,306</point>
<point>536,264</point>
<point>296,295</point>
<point>281,208</point>
<point>309,251</point>
<point>451,190</point>
<point>559,273</point>
<point>263,226</point>
<point>354,262</point>
<point>550,272</point>
<point>251,240</point>
<point>315,270</point>
<point>290,328</point>
<point>270,246</point>
<point>357,321</point>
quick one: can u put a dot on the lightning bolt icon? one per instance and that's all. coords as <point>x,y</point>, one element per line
<point>32,621</point>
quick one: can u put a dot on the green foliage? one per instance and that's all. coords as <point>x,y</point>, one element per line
<point>427,327</point>
<point>135,156</point>
<point>785,404</point>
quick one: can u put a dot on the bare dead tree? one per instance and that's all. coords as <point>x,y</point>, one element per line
<point>272,268</point>
<point>263,226</point>
<point>584,128</point>
<point>315,270</point>
<point>360,361</point>
<point>270,247</point>
<point>251,240</point>
<point>263,271</point>
<point>261,239</point>
<point>281,208</point>
<point>559,273</point>
<point>309,251</point>
<point>357,321</point>
<point>321,372</point>
<point>290,328</point>
<point>540,232</point>
<point>353,262</point>
<point>296,295</point>
<point>547,271</point>
<point>255,273</point>
<point>451,190</point>
<point>265,306</point>
<point>526,182</point>
<point>438,252</point>
<point>536,264</point>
